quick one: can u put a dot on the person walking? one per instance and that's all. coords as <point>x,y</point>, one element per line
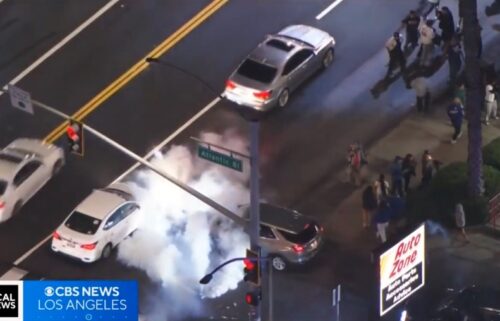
<point>396,170</point>
<point>409,170</point>
<point>456,115</point>
<point>460,220</point>
<point>411,22</point>
<point>381,187</point>
<point>455,59</point>
<point>382,218</point>
<point>370,204</point>
<point>396,55</point>
<point>490,102</point>
<point>422,93</point>
<point>354,164</point>
<point>426,40</point>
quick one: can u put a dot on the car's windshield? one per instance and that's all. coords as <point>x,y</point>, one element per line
<point>3,187</point>
<point>306,235</point>
<point>82,223</point>
<point>257,71</point>
<point>10,158</point>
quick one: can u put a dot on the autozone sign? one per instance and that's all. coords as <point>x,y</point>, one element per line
<point>402,270</point>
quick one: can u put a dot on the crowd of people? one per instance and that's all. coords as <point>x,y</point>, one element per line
<point>384,200</point>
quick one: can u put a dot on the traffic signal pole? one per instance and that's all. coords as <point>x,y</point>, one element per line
<point>154,168</point>
<point>253,227</point>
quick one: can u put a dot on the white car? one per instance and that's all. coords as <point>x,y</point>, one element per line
<point>25,166</point>
<point>98,224</point>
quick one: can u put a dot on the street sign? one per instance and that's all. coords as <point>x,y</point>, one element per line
<point>20,99</point>
<point>402,270</point>
<point>222,159</point>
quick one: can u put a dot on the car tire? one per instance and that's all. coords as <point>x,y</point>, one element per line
<point>278,263</point>
<point>106,251</point>
<point>328,58</point>
<point>284,97</point>
<point>57,167</point>
<point>17,208</point>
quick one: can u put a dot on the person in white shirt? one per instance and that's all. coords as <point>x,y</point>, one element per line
<point>490,103</point>
<point>426,41</point>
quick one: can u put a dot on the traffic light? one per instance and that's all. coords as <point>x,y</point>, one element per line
<point>252,298</point>
<point>252,268</point>
<point>74,132</point>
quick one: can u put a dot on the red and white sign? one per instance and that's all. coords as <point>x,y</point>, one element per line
<point>402,270</point>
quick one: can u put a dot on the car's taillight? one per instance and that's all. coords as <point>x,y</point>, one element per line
<point>298,248</point>
<point>230,84</point>
<point>2,204</point>
<point>56,236</point>
<point>264,95</point>
<point>88,246</point>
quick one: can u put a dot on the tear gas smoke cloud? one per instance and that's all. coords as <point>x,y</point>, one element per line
<point>180,239</point>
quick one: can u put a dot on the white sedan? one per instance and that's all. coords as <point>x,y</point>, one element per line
<point>98,224</point>
<point>25,166</point>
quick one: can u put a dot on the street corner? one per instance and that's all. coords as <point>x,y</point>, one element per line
<point>483,246</point>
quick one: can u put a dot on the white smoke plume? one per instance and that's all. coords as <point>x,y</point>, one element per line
<point>180,239</point>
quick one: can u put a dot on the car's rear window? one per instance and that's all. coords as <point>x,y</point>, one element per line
<point>257,71</point>
<point>306,235</point>
<point>278,44</point>
<point>3,186</point>
<point>118,192</point>
<point>82,223</point>
<point>10,158</point>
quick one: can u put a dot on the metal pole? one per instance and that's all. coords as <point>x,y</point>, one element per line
<point>253,228</point>
<point>151,166</point>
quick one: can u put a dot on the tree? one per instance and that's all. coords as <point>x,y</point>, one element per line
<point>474,94</point>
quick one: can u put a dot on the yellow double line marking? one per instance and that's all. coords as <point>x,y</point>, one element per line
<point>138,67</point>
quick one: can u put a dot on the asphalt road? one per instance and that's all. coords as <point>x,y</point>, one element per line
<point>307,139</point>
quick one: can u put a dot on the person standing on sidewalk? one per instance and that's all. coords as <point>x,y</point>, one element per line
<point>381,187</point>
<point>396,55</point>
<point>409,170</point>
<point>396,170</point>
<point>382,218</point>
<point>460,220</point>
<point>354,164</point>
<point>456,115</point>
<point>422,93</point>
<point>411,22</point>
<point>490,102</point>
<point>427,168</point>
<point>455,59</point>
<point>446,24</point>
<point>426,40</point>
<point>369,204</point>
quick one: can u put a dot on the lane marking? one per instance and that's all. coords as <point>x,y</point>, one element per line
<point>171,137</point>
<point>128,171</point>
<point>130,74</point>
<point>61,43</point>
<point>328,9</point>
<point>14,273</point>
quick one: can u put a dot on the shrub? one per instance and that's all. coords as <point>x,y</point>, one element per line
<point>491,154</point>
<point>449,187</point>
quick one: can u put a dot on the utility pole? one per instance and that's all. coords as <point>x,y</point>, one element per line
<point>254,226</point>
<point>149,165</point>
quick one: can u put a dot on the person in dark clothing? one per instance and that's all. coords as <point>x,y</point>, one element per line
<point>396,55</point>
<point>456,115</point>
<point>411,22</point>
<point>396,170</point>
<point>427,168</point>
<point>455,58</point>
<point>370,204</point>
<point>409,170</point>
<point>446,24</point>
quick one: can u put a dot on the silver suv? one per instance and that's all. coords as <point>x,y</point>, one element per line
<point>287,236</point>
